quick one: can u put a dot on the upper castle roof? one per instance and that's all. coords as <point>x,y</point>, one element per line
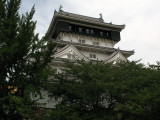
<point>82,20</point>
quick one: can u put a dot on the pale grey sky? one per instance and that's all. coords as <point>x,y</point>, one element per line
<point>141,17</point>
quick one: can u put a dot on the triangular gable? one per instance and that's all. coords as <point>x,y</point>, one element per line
<point>70,51</point>
<point>116,56</point>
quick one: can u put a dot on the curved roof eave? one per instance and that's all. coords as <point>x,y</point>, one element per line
<point>69,18</point>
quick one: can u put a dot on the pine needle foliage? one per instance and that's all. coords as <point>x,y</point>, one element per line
<point>24,60</point>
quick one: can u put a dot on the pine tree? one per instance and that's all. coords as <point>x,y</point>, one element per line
<point>24,60</point>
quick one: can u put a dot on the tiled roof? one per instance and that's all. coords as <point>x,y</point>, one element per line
<point>124,52</point>
<point>86,18</point>
<point>81,19</point>
<point>80,16</point>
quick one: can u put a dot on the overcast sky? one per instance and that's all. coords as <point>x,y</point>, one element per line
<point>141,17</point>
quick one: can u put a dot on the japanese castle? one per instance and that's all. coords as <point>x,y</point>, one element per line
<point>81,37</point>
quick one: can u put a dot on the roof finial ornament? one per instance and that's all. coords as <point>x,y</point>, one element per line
<point>101,16</point>
<point>60,8</point>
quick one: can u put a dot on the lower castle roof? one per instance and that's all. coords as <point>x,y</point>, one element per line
<point>94,48</point>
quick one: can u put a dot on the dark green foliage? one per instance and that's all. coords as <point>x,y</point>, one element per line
<point>15,108</point>
<point>98,91</point>
<point>24,58</point>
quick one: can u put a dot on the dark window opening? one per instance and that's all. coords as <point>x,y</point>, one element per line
<point>35,95</point>
<point>87,31</point>
<point>93,56</point>
<point>70,28</point>
<point>81,41</point>
<point>79,29</point>
<point>107,34</point>
<point>92,32</point>
<point>101,33</point>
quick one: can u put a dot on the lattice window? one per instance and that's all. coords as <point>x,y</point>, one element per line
<point>81,41</point>
<point>70,28</point>
<point>93,56</point>
<point>80,30</point>
<point>92,32</point>
<point>87,31</point>
<point>101,33</point>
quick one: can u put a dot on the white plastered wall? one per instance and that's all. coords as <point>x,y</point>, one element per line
<point>88,40</point>
<point>44,100</point>
<point>99,56</point>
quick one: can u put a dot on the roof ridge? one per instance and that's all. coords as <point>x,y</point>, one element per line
<point>93,19</point>
<point>80,16</point>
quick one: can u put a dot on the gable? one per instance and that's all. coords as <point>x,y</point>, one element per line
<point>70,52</point>
<point>116,56</point>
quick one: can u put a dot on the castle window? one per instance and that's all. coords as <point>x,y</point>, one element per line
<point>79,29</point>
<point>56,70</point>
<point>35,95</point>
<point>87,31</point>
<point>81,41</point>
<point>93,56</point>
<point>70,28</point>
<point>107,34</point>
<point>59,71</point>
<point>101,33</point>
<point>92,32</point>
